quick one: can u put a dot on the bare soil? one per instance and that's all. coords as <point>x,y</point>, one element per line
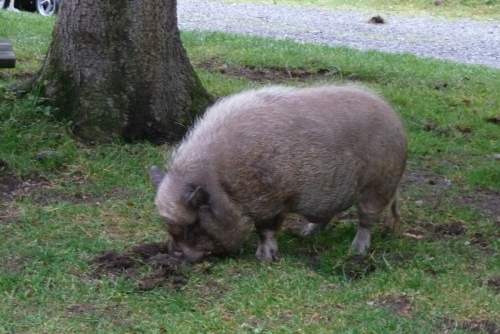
<point>483,199</point>
<point>266,74</point>
<point>149,264</point>
<point>279,75</point>
<point>470,326</point>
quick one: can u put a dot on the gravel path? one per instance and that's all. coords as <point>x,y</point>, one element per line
<point>462,41</point>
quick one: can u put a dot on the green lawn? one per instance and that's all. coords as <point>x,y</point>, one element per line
<point>440,275</point>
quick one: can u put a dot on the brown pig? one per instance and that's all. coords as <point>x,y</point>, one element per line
<point>259,155</point>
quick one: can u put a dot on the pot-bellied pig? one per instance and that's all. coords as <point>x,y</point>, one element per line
<point>259,155</point>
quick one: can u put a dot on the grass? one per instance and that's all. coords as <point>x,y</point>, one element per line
<point>441,274</point>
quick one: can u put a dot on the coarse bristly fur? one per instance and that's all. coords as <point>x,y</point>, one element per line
<point>258,155</point>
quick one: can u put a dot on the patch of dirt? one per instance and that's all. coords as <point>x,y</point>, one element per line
<point>211,289</point>
<point>12,265</point>
<point>8,184</point>
<point>267,74</point>
<point>452,229</point>
<point>437,231</point>
<point>472,326</point>
<point>277,75</point>
<point>480,241</point>
<point>115,312</point>
<point>12,186</point>
<point>149,264</point>
<point>494,120</point>
<point>48,196</point>
<point>487,201</point>
<point>41,191</point>
<point>425,179</point>
<point>398,304</point>
<point>494,283</point>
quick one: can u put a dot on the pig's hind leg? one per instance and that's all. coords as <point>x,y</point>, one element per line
<point>370,209</point>
<point>267,230</point>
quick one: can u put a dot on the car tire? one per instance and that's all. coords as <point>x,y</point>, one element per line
<point>46,7</point>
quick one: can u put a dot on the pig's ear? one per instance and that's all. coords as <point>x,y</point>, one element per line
<point>198,197</point>
<point>156,176</point>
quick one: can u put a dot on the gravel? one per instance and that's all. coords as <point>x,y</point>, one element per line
<point>463,41</point>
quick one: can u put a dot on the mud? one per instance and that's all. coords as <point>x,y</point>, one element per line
<point>148,264</point>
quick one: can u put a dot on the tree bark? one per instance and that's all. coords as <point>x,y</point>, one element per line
<point>118,70</point>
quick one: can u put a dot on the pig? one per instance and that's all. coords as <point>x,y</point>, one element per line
<point>257,156</point>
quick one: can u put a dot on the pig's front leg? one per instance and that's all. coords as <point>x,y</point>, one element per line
<point>268,246</point>
<point>268,231</point>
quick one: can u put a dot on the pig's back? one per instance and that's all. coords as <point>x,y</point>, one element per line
<point>307,147</point>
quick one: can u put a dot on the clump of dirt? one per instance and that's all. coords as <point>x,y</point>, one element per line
<point>474,326</point>
<point>149,264</point>
<point>494,120</point>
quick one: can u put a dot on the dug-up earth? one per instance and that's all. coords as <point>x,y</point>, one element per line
<point>163,270</point>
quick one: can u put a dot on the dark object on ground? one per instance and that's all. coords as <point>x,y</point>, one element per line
<point>377,20</point>
<point>494,120</point>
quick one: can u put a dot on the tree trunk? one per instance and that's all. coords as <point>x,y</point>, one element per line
<point>117,69</point>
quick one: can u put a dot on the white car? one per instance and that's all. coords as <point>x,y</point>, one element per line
<point>43,7</point>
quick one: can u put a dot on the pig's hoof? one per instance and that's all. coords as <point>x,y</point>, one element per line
<point>267,253</point>
<point>361,242</point>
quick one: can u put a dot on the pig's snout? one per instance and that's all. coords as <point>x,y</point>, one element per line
<point>186,252</point>
<point>192,255</point>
